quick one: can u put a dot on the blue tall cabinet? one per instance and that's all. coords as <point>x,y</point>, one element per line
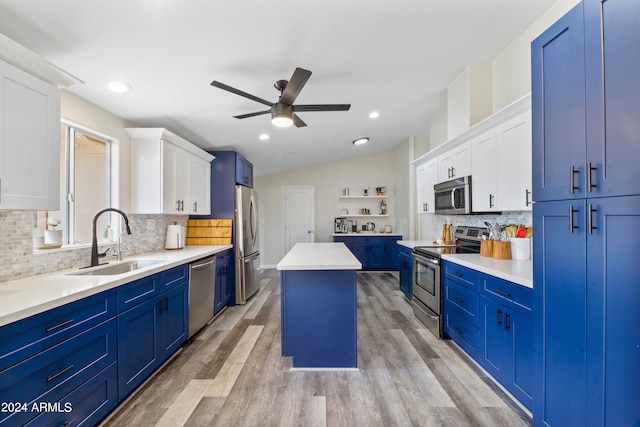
<point>586,188</point>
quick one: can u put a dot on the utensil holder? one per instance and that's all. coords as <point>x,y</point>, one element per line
<point>502,250</point>
<point>521,248</point>
<point>486,248</point>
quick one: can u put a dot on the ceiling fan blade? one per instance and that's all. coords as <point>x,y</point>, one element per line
<point>257,113</point>
<point>322,107</point>
<point>295,85</point>
<point>298,121</point>
<point>239,92</point>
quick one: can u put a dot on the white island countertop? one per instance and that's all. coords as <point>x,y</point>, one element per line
<point>26,297</point>
<point>319,256</point>
<point>512,270</point>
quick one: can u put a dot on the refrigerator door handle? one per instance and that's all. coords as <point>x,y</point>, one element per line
<point>253,218</point>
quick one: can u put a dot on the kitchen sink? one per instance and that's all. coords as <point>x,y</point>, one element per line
<point>115,268</point>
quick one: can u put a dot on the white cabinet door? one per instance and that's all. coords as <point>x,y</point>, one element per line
<point>29,141</point>
<point>199,185</point>
<point>484,183</point>
<point>175,179</point>
<point>426,178</point>
<point>455,163</point>
<point>513,141</point>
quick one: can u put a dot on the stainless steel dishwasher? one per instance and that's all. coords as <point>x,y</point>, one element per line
<point>202,283</point>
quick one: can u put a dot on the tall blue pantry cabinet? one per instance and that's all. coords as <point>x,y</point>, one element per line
<point>227,170</point>
<point>586,216</point>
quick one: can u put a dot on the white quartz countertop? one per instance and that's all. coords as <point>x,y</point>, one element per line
<point>319,256</point>
<point>367,234</point>
<point>26,297</point>
<point>516,271</point>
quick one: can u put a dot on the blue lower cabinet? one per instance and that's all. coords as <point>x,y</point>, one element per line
<point>507,348</point>
<point>405,263</point>
<point>52,374</point>
<point>148,334</point>
<point>86,405</point>
<point>173,326</point>
<point>137,345</point>
<point>224,280</point>
<point>375,253</point>
<point>463,332</point>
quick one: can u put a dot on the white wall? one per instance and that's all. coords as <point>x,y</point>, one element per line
<point>512,67</point>
<point>405,189</point>
<point>438,133</point>
<point>328,181</point>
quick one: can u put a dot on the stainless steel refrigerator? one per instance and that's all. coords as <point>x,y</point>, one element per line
<point>247,244</point>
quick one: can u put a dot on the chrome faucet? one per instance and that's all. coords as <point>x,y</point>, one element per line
<point>94,241</point>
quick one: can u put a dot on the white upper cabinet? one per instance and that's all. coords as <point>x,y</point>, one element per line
<point>513,142</point>
<point>484,175</point>
<point>455,163</point>
<point>426,178</point>
<point>501,167</point>
<point>168,174</point>
<point>29,141</point>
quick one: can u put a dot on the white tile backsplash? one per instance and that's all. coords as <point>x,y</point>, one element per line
<point>18,259</point>
<point>478,220</point>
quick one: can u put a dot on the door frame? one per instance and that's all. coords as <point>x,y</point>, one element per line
<point>285,213</point>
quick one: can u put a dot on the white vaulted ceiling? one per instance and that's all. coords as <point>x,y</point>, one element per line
<point>393,57</point>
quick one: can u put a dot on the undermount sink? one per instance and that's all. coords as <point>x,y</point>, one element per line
<point>116,268</point>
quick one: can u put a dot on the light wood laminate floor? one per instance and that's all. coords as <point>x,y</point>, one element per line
<point>232,374</point>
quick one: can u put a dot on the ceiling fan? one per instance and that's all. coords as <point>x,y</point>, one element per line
<point>283,112</point>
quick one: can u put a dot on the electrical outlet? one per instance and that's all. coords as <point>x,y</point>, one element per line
<point>151,225</point>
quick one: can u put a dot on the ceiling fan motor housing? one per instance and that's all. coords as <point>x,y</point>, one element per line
<point>280,110</point>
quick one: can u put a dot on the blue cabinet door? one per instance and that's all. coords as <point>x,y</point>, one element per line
<point>172,326</point>
<point>244,171</point>
<point>224,279</point>
<point>558,110</point>
<point>519,350</point>
<point>137,345</point>
<point>613,305</point>
<point>612,37</point>
<point>494,351</point>
<point>405,260</point>
<point>559,299</point>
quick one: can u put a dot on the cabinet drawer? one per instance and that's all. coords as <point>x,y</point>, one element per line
<point>466,334</point>
<point>174,277</point>
<point>463,300</point>
<point>24,338</point>
<point>463,275</point>
<point>86,405</point>
<point>511,294</point>
<point>138,291</point>
<point>50,375</point>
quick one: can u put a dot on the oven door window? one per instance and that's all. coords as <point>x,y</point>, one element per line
<point>426,278</point>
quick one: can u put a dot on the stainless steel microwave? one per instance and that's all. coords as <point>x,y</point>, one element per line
<point>453,197</point>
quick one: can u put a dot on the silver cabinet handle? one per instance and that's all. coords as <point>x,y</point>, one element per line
<point>590,184</point>
<point>491,196</point>
<point>527,202</point>
<point>571,212</point>
<point>590,226</point>
<point>572,172</point>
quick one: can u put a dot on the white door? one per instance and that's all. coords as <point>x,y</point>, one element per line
<point>299,223</point>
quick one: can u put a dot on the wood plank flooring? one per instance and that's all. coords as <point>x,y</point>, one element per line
<point>232,374</point>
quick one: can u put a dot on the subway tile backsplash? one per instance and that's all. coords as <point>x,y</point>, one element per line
<point>18,259</point>
<point>478,220</point>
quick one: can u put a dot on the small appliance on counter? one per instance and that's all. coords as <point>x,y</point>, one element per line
<point>340,225</point>
<point>175,236</point>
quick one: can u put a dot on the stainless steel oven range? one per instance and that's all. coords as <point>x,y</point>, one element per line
<point>427,298</point>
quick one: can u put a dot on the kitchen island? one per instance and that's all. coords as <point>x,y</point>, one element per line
<point>318,306</point>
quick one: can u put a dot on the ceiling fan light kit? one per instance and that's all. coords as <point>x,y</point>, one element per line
<point>283,111</point>
<point>282,115</point>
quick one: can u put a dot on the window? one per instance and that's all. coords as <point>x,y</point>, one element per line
<point>85,178</point>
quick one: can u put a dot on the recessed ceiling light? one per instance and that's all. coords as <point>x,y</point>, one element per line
<point>374,115</point>
<point>264,136</point>
<point>361,141</point>
<point>118,86</point>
